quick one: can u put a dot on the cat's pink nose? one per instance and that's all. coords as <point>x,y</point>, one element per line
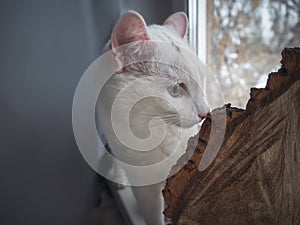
<point>202,115</point>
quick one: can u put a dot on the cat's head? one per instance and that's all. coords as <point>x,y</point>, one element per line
<point>174,71</point>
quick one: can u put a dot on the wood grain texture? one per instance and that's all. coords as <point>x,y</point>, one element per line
<point>255,178</point>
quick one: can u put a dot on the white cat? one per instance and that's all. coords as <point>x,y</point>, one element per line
<point>168,87</point>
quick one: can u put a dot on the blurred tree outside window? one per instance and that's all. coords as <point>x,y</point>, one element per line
<point>244,40</point>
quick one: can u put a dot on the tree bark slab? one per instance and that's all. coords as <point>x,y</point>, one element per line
<point>255,178</point>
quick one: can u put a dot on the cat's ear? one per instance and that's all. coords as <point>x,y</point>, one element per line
<point>179,22</point>
<point>130,27</point>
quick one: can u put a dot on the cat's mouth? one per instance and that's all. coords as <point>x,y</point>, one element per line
<point>202,116</point>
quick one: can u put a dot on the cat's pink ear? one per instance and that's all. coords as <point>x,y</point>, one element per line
<point>130,27</point>
<point>179,22</point>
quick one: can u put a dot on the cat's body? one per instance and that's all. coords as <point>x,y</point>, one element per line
<point>164,87</point>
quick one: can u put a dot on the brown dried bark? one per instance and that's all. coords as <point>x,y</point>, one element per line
<point>255,178</point>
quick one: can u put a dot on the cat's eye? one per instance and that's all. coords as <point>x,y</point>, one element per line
<point>175,89</point>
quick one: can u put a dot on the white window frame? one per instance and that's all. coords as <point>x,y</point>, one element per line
<point>197,13</point>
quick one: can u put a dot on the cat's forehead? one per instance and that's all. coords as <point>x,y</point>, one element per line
<point>173,59</point>
<point>167,35</point>
<point>178,74</point>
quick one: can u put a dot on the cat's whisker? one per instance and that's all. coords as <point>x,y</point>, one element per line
<point>177,123</point>
<point>163,117</point>
<point>156,114</point>
<point>162,121</point>
<point>170,115</point>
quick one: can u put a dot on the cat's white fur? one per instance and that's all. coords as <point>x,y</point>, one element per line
<point>131,27</point>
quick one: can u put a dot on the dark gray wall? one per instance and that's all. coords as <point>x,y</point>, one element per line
<point>45,46</point>
<point>153,11</point>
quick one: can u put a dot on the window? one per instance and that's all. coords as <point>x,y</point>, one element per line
<point>241,40</point>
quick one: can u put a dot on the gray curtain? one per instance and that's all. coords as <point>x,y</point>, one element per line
<point>45,46</point>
